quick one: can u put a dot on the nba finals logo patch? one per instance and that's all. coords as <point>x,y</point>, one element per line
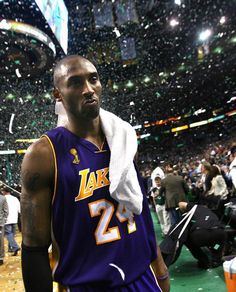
<point>76,160</point>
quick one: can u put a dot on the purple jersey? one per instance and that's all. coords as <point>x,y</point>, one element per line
<point>95,240</point>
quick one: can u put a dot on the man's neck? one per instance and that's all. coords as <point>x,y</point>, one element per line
<point>89,130</point>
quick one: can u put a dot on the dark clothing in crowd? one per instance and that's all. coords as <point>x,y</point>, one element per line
<point>175,189</point>
<point>204,236</point>
<point>206,231</point>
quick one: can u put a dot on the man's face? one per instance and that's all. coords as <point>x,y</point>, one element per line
<point>80,89</point>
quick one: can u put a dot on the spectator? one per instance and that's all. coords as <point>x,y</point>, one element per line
<point>159,203</point>
<point>175,189</point>
<point>233,167</point>
<point>205,230</point>
<point>12,219</point>
<point>216,197</point>
<point>3,219</point>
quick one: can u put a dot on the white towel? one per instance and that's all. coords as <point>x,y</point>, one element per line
<point>122,140</point>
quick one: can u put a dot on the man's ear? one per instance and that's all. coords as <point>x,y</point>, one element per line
<point>57,95</point>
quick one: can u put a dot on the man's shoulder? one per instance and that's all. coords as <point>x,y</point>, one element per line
<point>38,159</point>
<point>172,176</point>
<point>38,148</point>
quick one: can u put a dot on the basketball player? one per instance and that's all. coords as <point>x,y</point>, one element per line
<point>66,201</point>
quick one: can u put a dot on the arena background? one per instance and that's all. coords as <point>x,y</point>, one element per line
<point>167,67</point>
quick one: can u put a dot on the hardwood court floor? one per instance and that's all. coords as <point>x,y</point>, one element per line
<point>10,271</point>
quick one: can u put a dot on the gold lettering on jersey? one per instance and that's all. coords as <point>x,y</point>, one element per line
<point>102,180</point>
<point>91,181</point>
<point>76,160</point>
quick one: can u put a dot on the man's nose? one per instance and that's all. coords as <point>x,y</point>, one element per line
<point>87,89</point>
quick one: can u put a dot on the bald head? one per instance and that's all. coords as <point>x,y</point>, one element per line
<point>63,65</point>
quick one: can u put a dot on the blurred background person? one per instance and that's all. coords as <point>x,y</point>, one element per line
<point>159,203</point>
<point>3,219</point>
<point>232,167</point>
<point>12,219</point>
<point>205,230</point>
<point>217,196</point>
<point>175,189</point>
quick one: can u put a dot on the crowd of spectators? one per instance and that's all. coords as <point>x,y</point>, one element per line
<point>35,115</point>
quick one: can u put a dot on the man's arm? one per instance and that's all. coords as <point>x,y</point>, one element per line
<point>161,272</point>
<point>37,175</point>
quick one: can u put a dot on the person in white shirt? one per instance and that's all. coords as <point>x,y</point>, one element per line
<point>3,218</point>
<point>12,219</point>
<point>159,203</point>
<point>232,167</point>
<point>157,172</point>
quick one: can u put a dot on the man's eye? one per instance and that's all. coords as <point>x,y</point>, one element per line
<point>94,78</point>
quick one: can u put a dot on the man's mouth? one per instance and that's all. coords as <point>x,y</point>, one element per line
<point>90,101</point>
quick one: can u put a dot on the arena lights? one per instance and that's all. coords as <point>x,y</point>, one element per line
<point>27,29</point>
<point>214,119</point>
<point>115,86</point>
<point>26,140</point>
<point>197,124</point>
<point>181,67</point>
<point>174,22</point>
<point>137,127</point>
<point>7,152</point>
<point>147,79</point>
<point>29,97</point>
<point>47,96</point>
<point>21,151</point>
<point>218,50</point>
<point>233,40</point>
<point>185,127</point>
<point>231,113</point>
<point>205,34</point>
<point>129,84</point>
<point>222,19</point>
<point>145,136</point>
<point>10,96</point>
<point>178,2</point>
